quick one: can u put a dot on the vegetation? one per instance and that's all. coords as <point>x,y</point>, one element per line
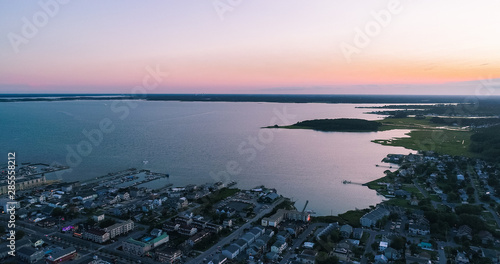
<point>341,124</point>
<point>486,143</point>
<point>483,108</point>
<point>350,217</point>
<point>451,142</point>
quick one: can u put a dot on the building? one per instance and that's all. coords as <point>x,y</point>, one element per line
<point>279,247</point>
<point>168,255</point>
<point>231,251</point>
<point>461,258</point>
<point>357,233</point>
<point>98,218</point>
<point>139,248</point>
<point>156,232</point>
<point>383,245</point>
<point>120,228</point>
<point>346,231</point>
<point>371,218</point>
<point>23,184</point>
<point>275,219</point>
<point>61,255</point>
<point>197,238</point>
<point>6,204</point>
<point>218,259</point>
<point>30,255</point>
<point>96,235</point>
<point>241,244</point>
<point>417,229</point>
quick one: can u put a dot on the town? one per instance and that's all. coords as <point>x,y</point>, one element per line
<point>438,209</point>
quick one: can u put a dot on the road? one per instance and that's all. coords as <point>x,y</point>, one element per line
<point>478,200</point>
<point>233,235</point>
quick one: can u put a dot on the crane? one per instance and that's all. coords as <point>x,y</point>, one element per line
<point>305,205</point>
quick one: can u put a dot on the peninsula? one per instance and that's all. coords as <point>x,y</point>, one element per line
<point>337,125</point>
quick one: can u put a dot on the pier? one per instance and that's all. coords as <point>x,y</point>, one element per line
<point>350,182</point>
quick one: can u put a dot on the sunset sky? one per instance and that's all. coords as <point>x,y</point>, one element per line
<point>251,46</point>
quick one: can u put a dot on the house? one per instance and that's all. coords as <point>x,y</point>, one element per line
<point>283,236</point>
<point>391,253</point>
<point>257,231</point>
<point>464,231</point>
<point>402,194</point>
<point>461,258</point>
<point>460,177</point>
<point>227,223</point>
<point>381,259</point>
<point>263,241</point>
<point>425,245</point>
<point>278,247</point>
<point>417,229</point>
<point>383,246</point>
<point>231,251</point>
<point>253,250</point>
<point>485,237</point>
<point>271,197</point>
<point>98,218</point>
<point>342,251</point>
<point>371,218</point>
<point>346,231</point>
<point>249,238</point>
<point>241,244</point>
<point>357,233</point>
<point>308,245</point>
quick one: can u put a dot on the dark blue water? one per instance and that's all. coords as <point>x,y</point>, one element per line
<point>198,142</point>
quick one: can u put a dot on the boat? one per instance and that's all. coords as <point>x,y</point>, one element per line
<point>145,162</point>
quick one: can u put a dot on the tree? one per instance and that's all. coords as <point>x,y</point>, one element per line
<point>19,234</point>
<point>57,212</point>
<point>398,243</point>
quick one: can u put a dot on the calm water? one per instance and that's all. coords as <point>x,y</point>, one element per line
<point>198,142</point>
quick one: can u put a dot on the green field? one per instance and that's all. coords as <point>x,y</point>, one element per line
<point>442,141</point>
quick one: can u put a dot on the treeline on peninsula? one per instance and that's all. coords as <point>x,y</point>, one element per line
<point>341,124</point>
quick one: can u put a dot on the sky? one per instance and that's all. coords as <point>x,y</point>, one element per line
<point>258,46</point>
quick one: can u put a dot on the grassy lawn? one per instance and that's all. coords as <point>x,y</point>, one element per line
<point>406,123</point>
<point>451,142</point>
<point>350,217</point>
<point>435,197</point>
<point>414,190</point>
<point>399,202</point>
<point>489,219</point>
<point>223,194</point>
<point>374,184</point>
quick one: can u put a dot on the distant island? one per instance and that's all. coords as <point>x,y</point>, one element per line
<point>335,125</point>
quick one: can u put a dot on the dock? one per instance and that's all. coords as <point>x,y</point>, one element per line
<point>350,182</point>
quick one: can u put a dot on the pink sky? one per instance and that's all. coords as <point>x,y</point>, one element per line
<point>254,47</point>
